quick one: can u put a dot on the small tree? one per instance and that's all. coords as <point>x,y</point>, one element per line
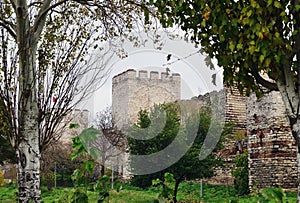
<point>189,166</point>
<point>241,174</point>
<point>57,158</point>
<point>106,124</point>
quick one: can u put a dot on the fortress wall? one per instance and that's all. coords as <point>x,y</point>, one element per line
<point>120,97</point>
<point>136,90</point>
<point>77,116</point>
<point>271,147</point>
<point>154,75</point>
<point>235,109</point>
<point>234,105</point>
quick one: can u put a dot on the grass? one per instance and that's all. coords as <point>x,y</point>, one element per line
<point>8,193</point>
<point>188,192</point>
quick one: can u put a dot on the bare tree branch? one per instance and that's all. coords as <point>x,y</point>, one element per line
<point>7,26</point>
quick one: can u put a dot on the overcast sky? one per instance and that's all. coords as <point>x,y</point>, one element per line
<point>196,77</point>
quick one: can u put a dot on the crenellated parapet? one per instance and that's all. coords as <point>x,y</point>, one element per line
<point>147,75</point>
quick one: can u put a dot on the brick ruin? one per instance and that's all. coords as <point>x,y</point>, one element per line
<point>271,147</point>
<point>263,129</point>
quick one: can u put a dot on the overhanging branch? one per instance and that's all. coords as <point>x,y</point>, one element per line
<point>40,20</point>
<point>260,80</point>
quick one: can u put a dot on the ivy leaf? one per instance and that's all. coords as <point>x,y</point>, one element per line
<point>89,166</point>
<point>261,58</point>
<point>239,46</point>
<point>73,125</point>
<point>277,4</point>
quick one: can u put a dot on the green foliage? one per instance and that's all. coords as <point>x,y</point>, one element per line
<point>81,142</point>
<point>276,195</point>
<point>73,125</point>
<point>102,186</point>
<point>246,37</point>
<point>189,166</point>
<point>188,192</point>
<point>157,143</point>
<point>241,174</point>
<point>79,195</point>
<point>144,181</point>
<point>168,186</point>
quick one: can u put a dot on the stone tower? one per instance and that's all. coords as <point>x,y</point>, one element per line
<point>135,90</point>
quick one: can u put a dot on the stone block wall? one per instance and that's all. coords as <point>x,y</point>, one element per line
<point>135,90</point>
<point>271,147</point>
<point>235,108</point>
<point>234,105</point>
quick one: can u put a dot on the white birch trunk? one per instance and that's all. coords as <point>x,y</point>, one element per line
<point>291,102</point>
<point>28,152</point>
<point>28,171</point>
<point>298,166</point>
<point>28,143</point>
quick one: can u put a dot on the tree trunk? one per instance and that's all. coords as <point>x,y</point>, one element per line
<point>177,182</point>
<point>28,151</point>
<point>298,164</point>
<point>28,143</point>
<point>102,171</point>
<point>28,171</point>
<point>28,137</point>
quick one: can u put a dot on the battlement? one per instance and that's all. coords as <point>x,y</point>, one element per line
<point>148,75</point>
<point>80,113</point>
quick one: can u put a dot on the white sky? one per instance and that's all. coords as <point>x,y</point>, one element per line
<point>195,75</point>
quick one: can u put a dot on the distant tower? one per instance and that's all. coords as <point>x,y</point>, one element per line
<point>133,91</point>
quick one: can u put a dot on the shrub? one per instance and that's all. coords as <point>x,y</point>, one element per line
<point>241,182</point>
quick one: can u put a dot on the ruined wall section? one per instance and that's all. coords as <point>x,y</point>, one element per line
<point>234,105</point>
<point>235,109</point>
<point>271,147</point>
<point>133,91</point>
